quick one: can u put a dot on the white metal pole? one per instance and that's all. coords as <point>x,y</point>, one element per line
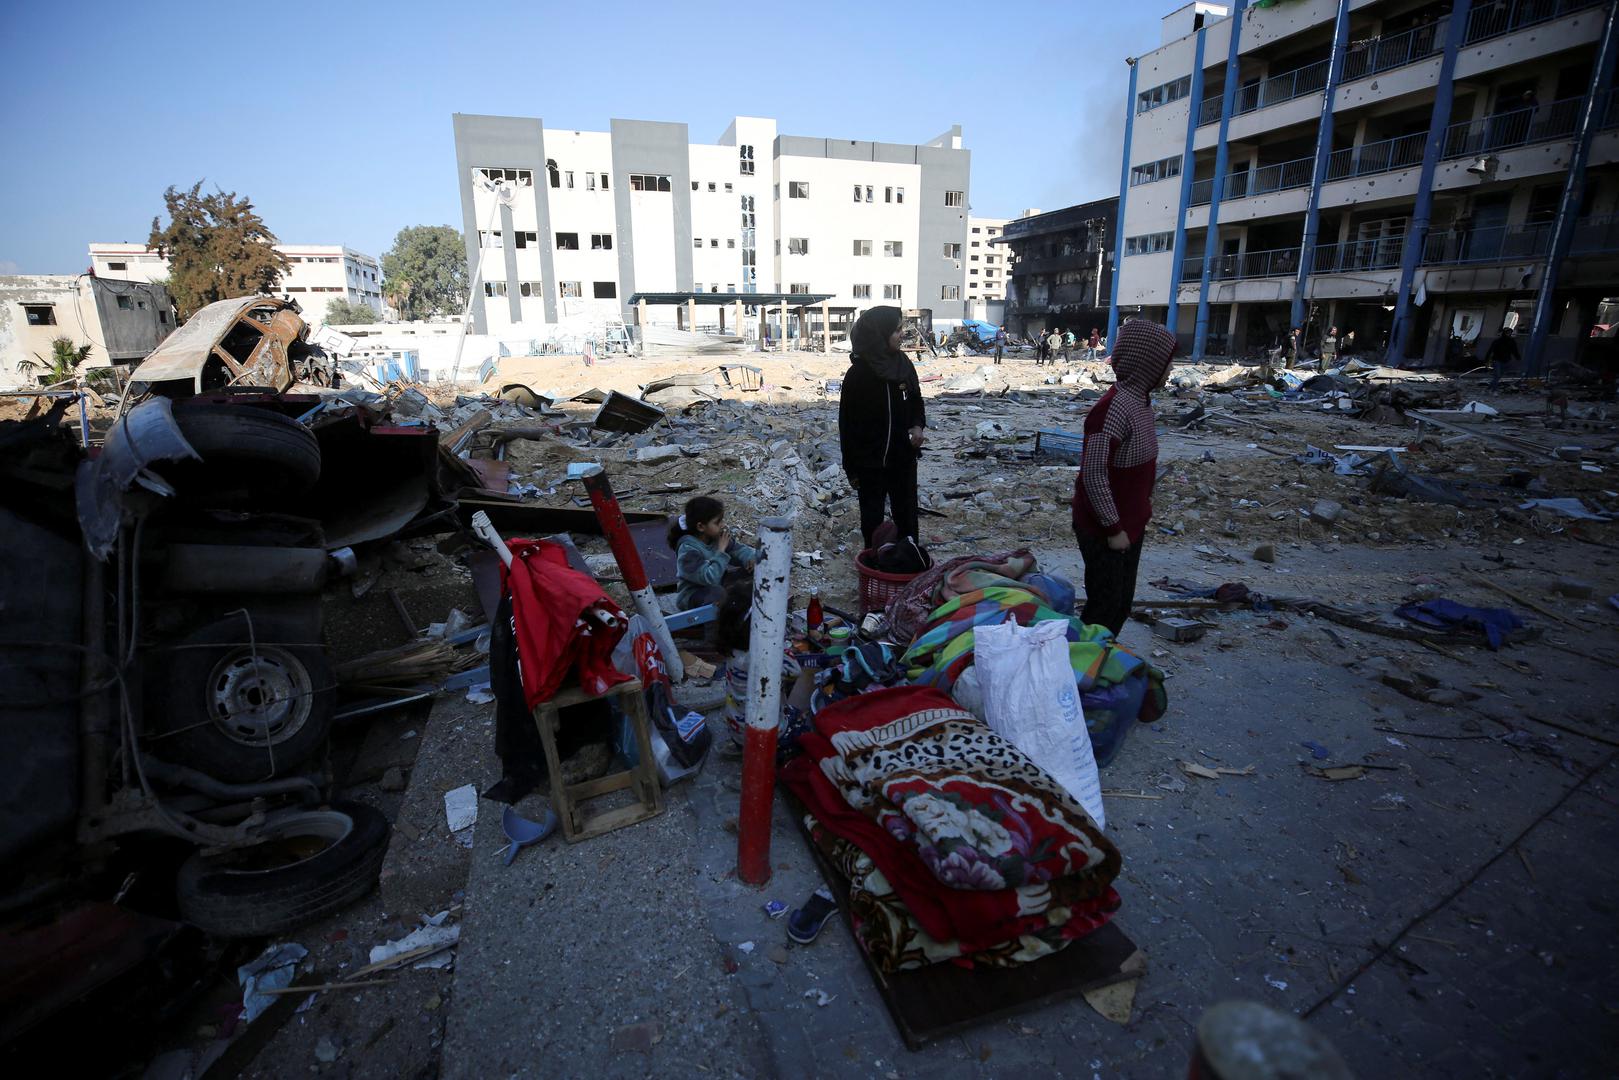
<point>766,640</point>
<point>503,197</point>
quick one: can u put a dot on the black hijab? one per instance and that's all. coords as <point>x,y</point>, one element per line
<point>868,343</point>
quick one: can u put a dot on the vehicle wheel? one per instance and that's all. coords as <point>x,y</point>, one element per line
<point>314,862</point>
<point>241,711</point>
<point>247,454</point>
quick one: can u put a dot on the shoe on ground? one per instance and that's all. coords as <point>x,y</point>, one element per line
<point>804,924</point>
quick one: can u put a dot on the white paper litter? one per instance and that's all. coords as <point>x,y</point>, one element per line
<point>746,946</point>
<point>461,812</point>
<point>417,939</point>
<point>480,694</point>
<point>1573,508</point>
<point>822,998</point>
<point>273,969</point>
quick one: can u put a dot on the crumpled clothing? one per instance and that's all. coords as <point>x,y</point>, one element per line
<point>909,610</point>
<point>1447,615</point>
<point>563,623</point>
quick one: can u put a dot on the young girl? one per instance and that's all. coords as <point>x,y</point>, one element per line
<point>705,553</point>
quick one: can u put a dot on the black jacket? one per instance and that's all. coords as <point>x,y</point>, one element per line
<point>875,417</point>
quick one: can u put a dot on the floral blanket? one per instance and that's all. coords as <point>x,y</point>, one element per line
<point>896,941</point>
<point>977,842</point>
<point>1116,687</point>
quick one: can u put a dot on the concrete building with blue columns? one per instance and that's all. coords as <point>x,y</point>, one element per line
<point>1410,170</point>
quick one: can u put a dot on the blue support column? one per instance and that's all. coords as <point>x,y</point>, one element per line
<point>1568,207</point>
<point>1416,237</point>
<point>1222,162</point>
<point>1323,154</point>
<point>1195,99</point>
<point>1118,218</point>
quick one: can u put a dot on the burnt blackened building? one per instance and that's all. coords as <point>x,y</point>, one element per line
<point>1062,268</point>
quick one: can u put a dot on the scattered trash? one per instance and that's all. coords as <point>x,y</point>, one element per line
<point>774,908</point>
<point>1573,508</point>
<point>461,813</point>
<point>430,943</point>
<point>326,1051</point>
<point>821,997</point>
<point>745,947</point>
<point>480,694</point>
<point>1174,629</point>
<point>521,832</point>
<point>272,969</point>
<point>1317,751</point>
<point>1337,772</point>
<point>1275,984</point>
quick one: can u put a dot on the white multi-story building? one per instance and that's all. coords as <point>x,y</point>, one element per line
<point>316,273</point>
<point>985,269</point>
<point>602,218</point>
<point>1407,170</point>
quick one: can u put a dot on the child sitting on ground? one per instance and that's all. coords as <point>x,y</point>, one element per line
<point>705,554</point>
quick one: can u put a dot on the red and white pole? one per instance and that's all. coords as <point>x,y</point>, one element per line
<point>619,539</point>
<point>766,639</point>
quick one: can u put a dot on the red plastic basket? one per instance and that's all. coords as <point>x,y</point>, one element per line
<point>876,587</point>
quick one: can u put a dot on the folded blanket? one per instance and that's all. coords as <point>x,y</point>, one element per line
<point>975,840</point>
<point>894,939</point>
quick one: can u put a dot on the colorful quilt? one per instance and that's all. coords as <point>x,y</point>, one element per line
<point>976,841</point>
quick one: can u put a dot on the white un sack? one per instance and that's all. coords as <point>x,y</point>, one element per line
<point>1032,701</point>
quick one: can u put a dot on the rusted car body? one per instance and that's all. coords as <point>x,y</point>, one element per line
<point>255,341</point>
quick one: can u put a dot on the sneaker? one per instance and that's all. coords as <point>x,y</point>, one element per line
<point>804,924</point>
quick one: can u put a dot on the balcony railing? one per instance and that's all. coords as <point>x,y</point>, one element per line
<point>1524,127</point>
<point>1493,20</point>
<point>1261,181</point>
<point>1382,253</point>
<point>1278,262</point>
<point>1377,55</point>
<point>1372,158</point>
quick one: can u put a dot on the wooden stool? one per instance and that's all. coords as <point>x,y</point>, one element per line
<point>642,779</point>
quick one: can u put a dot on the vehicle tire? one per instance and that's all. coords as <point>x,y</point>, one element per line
<point>316,862</point>
<point>247,454</point>
<point>237,711</point>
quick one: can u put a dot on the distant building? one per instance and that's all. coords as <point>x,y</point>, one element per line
<point>1062,268</point>
<point>121,321</point>
<point>1283,182</point>
<point>985,271</point>
<point>601,216</point>
<point>316,274</point>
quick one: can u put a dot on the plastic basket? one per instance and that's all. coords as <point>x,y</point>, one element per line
<point>877,588</point>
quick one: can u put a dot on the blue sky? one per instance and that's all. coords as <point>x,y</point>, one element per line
<point>335,118</point>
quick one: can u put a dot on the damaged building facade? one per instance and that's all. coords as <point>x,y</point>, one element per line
<point>1061,267</point>
<point>118,321</point>
<point>601,216</point>
<point>1409,171</point>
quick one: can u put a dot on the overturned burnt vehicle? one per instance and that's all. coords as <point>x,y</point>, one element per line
<point>167,696</point>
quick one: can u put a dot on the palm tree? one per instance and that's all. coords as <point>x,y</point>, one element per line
<point>63,363</point>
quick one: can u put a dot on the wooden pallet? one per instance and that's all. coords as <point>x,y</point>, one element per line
<point>642,779</point>
<point>944,999</point>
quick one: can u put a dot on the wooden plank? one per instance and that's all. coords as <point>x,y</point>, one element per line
<point>944,999</point>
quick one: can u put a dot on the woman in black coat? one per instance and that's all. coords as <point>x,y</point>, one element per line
<point>880,422</point>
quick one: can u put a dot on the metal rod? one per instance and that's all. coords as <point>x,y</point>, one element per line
<point>617,531</point>
<point>766,639</point>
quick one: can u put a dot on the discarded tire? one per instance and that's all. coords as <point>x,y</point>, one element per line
<point>314,863</point>
<point>238,707</point>
<point>247,454</point>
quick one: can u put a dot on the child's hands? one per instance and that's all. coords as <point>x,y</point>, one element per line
<point>724,542</point>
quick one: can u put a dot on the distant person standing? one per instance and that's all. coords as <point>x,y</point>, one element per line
<point>1329,349</point>
<point>880,422</point>
<point>1040,347</point>
<point>1054,346</point>
<point>1503,351</point>
<point>1349,343</point>
<point>1069,341</point>
<point>1000,342</point>
<point>1095,343</point>
<point>1295,346</point>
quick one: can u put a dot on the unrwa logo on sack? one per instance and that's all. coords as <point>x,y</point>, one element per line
<point>1068,702</point>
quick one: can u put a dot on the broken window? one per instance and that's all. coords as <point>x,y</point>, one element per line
<point>714,242</point>
<point>123,303</point>
<point>868,192</point>
<point>604,181</point>
<point>524,239</point>
<point>520,177</point>
<point>956,198</point>
<point>649,182</point>
<point>569,290</point>
<point>950,292</point>
<point>797,189</point>
<point>567,241</point>
<point>745,154</point>
<point>952,251</point>
<point>1149,244</point>
<point>972,258</point>
<point>862,247</point>
<point>696,243</point>
<point>606,290</point>
<point>892,292</point>
<point>601,241</point>
<point>888,194</point>
<point>240,341</point>
<point>117,266</point>
<point>857,193</point>
<point>694,185</point>
<point>529,289</point>
<point>798,245</point>
<point>727,187</point>
<point>490,239</point>
<point>894,249</point>
<point>551,168</point>
<point>711,186</point>
<point>862,292</point>
<point>731,243</point>
<point>567,179</point>
<point>1153,171</point>
<point>799,288</point>
<point>899,194</point>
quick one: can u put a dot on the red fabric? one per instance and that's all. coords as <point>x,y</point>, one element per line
<point>977,919</point>
<point>1113,490</point>
<point>563,621</point>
